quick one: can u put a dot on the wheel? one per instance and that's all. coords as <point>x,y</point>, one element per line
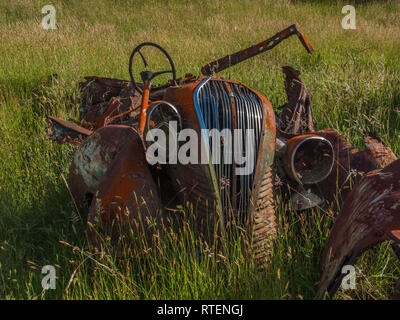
<point>147,74</point>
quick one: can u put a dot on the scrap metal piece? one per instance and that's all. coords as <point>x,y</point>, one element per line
<point>379,153</point>
<point>99,89</point>
<point>63,131</point>
<point>105,100</point>
<point>303,199</point>
<point>92,160</point>
<point>126,202</point>
<point>308,158</point>
<point>370,215</point>
<point>350,164</point>
<point>237,57</point>
<point>296,115</point>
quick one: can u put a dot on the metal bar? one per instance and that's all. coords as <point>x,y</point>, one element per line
<point>237,57</point>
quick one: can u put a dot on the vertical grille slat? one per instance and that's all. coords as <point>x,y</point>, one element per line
<point>215,110</point>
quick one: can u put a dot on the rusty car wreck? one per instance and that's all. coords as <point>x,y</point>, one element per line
<point>113,184</point>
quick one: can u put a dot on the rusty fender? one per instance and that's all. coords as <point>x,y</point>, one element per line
<point>92,160</point>
<point>127,200</point>
<point>370,215</point>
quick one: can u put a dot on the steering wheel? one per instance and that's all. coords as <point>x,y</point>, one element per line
<point>147,74</point>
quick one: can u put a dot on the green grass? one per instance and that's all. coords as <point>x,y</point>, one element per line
<point>353,78</point>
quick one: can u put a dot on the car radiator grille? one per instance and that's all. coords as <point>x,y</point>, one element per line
<point>227,105</point>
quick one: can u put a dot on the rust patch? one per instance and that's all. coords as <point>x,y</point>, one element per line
<point>92,160</point>
<point>380,154</point>
<point>127,199</point>
<point>350,164</point>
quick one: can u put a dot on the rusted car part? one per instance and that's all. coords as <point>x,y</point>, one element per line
<point>364,216</point>
<point>307,160</point>
<point>64,131</point>
<point>212,103</point>
<point>342,166</point>
<point>235,58</point>
<point>295,125</point>
<point>349,163</point>
<point>296,115</point>
<point>370,215</point>
<point>107,101</point>
<point>147,77</point>
<point>380,154</point>
<point>92,160</point>
<point>113,101</point>
<point>126,200</point>
<point>118,191</point>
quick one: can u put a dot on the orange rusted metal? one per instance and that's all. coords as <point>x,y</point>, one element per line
<point>112,106</point>
<point>143,108</point>
<point>126,198</point>
<point>370,215</point>
<point>92,160</point>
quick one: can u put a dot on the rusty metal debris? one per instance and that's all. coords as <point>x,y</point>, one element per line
<point>107,101</point>
<point>64,131</point>
<point>296,115</point>
<point>235,58</point>
<point>110,179</point>
<point>126,198</point>
<point>113,184</point>
<point>370,215</point>
<point>349,163</point>
<point>371,212</point>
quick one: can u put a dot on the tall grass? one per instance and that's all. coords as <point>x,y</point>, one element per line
<point>353,78</point>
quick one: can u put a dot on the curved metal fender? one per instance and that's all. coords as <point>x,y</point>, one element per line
<point>126,201</point>
<point>370,215</point>
<point>92,160</point>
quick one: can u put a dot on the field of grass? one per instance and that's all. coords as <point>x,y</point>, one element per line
<point>354,81</point>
